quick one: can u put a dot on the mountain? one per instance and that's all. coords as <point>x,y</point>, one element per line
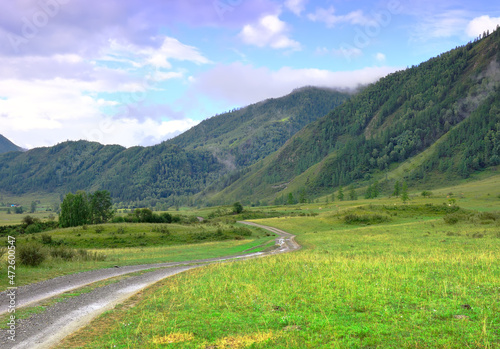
<point>6,145</point>
<point>138,174</point>
<point>447,110</point>
<point>171,172</point>
<point>244,136</point>
<point>438,121</point>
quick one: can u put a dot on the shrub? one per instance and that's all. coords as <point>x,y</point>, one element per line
<point>46,239</point>
<point>99,229</point>
<point>353,218</point>
<point>63,253</point>
<point>33,229</point>
<point>31,254</point>
<point>237,207</point>
<point>28,220</point>
<point>85,255</point>
<point>162,229</point>
<point>118,219</point>
<point>243,231</point>
<point>451,219</point>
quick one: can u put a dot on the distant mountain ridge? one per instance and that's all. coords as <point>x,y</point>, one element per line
<point>439,120</point>
<point>171,172</point>
<point>6,145</point>
<point>447,108</point>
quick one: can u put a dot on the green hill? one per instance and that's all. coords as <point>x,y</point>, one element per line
<point>169,173</point>
<point>436,122</point>
<point>6,145</point>
<point>244,136</point>
<point>452,101</point>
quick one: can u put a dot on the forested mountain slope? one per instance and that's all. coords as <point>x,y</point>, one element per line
<point>140,175</point>
<point>455,94</point>
<point>169,173</point>
<point>246,135</point>
<point>6,145</point>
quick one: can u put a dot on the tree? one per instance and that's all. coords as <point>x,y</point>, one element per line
<point>237,207</point>
<point>404,193</point>
<point>340,194</point>
<point>75,210</point>
<point>375,189</point>
<point>352,193</point>
<point>33,207</point>
<point>291,199</point>
<point>144,215</point>
<point>368,193</point>
<point>82,208</point>
<point>302,196</point>
<point>397,189</point>
<point>101,207</point>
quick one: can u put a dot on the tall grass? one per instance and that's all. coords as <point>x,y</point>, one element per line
<point>408,283</point>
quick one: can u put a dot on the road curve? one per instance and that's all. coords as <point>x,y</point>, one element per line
<point>46,329</point>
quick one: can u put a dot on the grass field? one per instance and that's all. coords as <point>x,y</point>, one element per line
<point>372,274</point>
<point>127,244</point>
<point>404,278</point>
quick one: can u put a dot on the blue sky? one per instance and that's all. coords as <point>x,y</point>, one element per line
<point>132,72</point>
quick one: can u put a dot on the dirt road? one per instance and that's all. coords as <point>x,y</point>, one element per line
<point>46,329</point>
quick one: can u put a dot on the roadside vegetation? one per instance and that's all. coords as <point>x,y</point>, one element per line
<point>141,236</point>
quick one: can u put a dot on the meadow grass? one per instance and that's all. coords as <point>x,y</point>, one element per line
<point>156,249</point>
<point>412,282</point>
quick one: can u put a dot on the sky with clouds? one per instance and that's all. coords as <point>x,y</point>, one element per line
<point>135,72</point>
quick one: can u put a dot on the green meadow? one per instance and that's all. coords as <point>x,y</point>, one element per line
<point>372,274</point>
<point>72,250</point>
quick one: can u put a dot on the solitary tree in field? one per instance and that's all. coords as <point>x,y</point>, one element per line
<point>237,207</point>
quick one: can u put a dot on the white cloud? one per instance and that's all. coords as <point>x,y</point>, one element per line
<point>296,6</point>
<point>59,110</point>
<point>70,97</point>
<point>162,76</point>
<point>269,31</point>
<point>479,25</point>
<point>328,17</point>
<point>170,49</point>
<point>345,52</point>
<point>441,25</point>
<point>245,84</point>
<point>380,57</point>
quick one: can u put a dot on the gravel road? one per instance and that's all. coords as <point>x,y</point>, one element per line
<point>46,329</point>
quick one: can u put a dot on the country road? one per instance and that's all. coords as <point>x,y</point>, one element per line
<point>46,329</point>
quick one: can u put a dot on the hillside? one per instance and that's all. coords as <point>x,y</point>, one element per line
<point>244,136</point>
<point>132,175</point>
<point>452,101</point>
<point>6,145</point>
<point>169,173</point>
